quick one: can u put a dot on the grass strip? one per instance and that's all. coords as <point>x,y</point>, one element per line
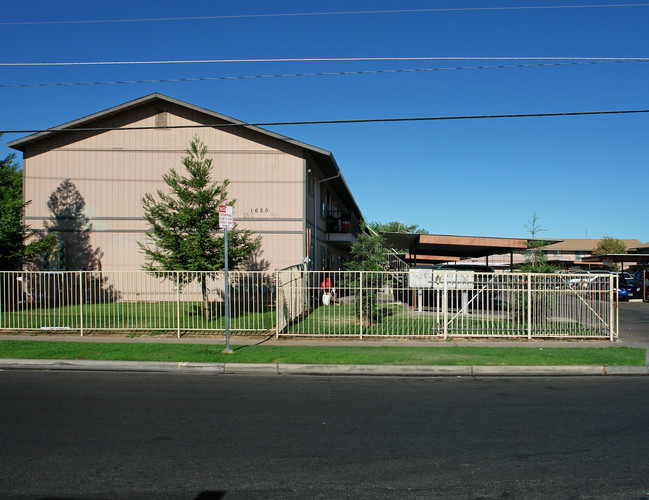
<point>357,355</point>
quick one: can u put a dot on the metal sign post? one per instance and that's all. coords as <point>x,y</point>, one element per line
<point>226,221</point>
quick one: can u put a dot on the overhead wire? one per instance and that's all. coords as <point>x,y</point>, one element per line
<point>328,73</point>
<point>324,59</point>
<point>333,13</point>
<point>332,122</point>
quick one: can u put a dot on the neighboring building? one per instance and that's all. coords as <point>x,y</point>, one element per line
<point>566,254</point>
<point>290,193</point>
<point>570,253</point>
<point>639,248</point>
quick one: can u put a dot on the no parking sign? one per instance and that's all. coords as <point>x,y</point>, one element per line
<point>226,217</point>
<point>226,221</point>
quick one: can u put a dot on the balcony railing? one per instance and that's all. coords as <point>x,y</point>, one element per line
<point>341,222</point>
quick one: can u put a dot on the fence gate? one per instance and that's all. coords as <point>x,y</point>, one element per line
<point>437,303</point>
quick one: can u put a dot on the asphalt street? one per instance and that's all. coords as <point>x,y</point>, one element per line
<point>93,435</point>
<point>634,322</point>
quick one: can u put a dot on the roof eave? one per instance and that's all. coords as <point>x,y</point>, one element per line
<point>22,143</point>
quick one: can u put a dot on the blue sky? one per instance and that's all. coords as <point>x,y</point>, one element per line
<point>584,176</point>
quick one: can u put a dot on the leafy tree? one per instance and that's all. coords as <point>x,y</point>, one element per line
<point>368,254</point>
<point>396,227</point>
<point>533,226</point>
<point>11,215</point>
<point>536,261</point>
<point>185,234</point>
<point>608,245</point>
<point>18,242</point>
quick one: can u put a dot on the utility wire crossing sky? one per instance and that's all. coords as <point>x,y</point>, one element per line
<point>437,143</point>
<point>336,13</point>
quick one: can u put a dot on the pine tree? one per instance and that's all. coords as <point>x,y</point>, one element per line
<point>19,244</point>
<point>184,233</point>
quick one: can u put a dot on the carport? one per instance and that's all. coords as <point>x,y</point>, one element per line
<point>428,249</point>
<point>622,258</point>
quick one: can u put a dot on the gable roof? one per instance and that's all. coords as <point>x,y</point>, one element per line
<point>323,158</point>
<point>639,248</point>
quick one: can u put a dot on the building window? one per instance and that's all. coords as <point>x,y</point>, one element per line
<point>323,202</point>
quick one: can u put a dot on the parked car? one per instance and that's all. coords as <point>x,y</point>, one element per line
<point>632,290</point>
<point>625,290</point>
<point>622,294</point>
<point>583,281</point>
<point>639,277</point>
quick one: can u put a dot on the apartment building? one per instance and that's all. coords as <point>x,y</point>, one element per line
<point>290,193</point>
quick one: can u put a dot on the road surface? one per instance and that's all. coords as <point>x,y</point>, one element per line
<point>72,435</point>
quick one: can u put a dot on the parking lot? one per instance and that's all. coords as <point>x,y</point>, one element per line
<point>634,322</point>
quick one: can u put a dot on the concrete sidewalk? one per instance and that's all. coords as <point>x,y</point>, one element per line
<point>271,340</point>
<point>301,369</point>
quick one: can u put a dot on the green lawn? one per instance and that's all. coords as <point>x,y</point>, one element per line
<point>397,319</point>
<point>335,320</point>
<point>139,316</point>
<point>361,355</point>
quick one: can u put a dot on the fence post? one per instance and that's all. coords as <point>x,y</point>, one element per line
<point>529,306</point>
<point>81,301</point>
<point>277,304</point>
<point>445,305</point>
<point>612,298</point>
<point>178,302</point>
<point>360,306</point>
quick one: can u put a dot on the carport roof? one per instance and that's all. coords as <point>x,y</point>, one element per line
<point>453,246</point>
<point>639,258</point>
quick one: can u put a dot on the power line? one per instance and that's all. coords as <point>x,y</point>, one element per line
<point>323,59</point>
<point>333,122</point>
<point>334,13</point>
<point>332,73</point>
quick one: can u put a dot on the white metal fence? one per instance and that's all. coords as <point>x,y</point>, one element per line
<point>292,302</point>
<point>136,301</point>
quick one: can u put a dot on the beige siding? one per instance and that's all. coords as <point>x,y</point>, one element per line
<point>114,169</point>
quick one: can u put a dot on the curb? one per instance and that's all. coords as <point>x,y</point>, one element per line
<point>116,366</point>
<point>303,369</point>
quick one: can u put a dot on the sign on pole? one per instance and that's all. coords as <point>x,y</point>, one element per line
<point>226,221</point>
<point>453,280</point>
<point>420,278</point>
<point>226,217</point>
